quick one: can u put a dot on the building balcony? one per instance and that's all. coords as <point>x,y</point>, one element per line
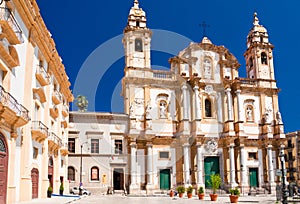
<point>42,76</point>
<point>54,142</point>
<point>64,123</point>
<point>65,110</point>
<point>9,26</point>
<point>54,112</point>
<point>9,54</point>
<point>64,149</point>
<point>56,97</point>
<point>39,131</point>
<point>39,93</point>
<point>11,111</point>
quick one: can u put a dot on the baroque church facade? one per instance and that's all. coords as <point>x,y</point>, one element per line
<point>200,118</point>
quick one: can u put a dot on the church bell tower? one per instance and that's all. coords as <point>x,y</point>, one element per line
<point>137,39</point>
<point>259,53</point>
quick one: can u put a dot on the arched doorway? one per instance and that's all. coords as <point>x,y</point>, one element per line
<point>3,168</point>
<point>35,182</point>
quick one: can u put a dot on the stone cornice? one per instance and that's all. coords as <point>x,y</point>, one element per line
<point>30,14</point>
<point>97,115</point>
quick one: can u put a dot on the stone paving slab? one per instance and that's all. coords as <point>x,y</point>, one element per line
<point>52,200</point>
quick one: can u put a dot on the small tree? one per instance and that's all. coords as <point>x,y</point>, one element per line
<point>215,182</point>
<point>189,189</point>
<point>180,189</point>
<point>82,103</point>
<point>200,190</point>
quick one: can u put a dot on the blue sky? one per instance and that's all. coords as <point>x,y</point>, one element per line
<point>83,29</point>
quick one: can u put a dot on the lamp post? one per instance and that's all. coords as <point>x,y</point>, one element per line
<point>284,191</point>
<point>80,184</point>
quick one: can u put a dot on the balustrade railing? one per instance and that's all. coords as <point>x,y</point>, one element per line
<point>7,15</point>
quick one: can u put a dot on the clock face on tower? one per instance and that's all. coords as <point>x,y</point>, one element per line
<point>265,73</point>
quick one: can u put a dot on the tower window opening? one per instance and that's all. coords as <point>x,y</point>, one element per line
<point>137,24</point>
<point>264,58</point>
<point>208,111</point>
<point>138,45</point>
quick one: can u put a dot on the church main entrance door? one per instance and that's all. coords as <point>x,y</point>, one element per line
<point>164,178</point>
<point>253,177</point>
<point>211,166</point>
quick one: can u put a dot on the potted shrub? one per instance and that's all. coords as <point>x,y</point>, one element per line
<point>49,192</point>
<point>181,191</point>
<point>61,189</point>
<point>189,191</point>
<point>215,182</point>
<point>234,195</point>
<point>201,193</point>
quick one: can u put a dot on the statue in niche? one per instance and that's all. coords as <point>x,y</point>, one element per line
<point>249,113</point>
<point>163,109</point>
<point>131,113</point>
<point>278,117</point>
<point>207,69</point>
<point>148,109</point>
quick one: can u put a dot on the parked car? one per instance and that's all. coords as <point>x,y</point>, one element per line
<point>75,190</point>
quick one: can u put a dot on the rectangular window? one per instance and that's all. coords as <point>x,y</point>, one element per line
<point>61,163</point>
<point>118,147</point>
<point>35,153</point>
<point>164,155</point>
<point>71,145</point>
<point>94,146</point>
<point>252,155</point>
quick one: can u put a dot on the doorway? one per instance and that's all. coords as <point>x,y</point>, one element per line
<point>118,176</point>
<point>164,179</point>
<point>3,168</point>
<point>211,166</point>
<point>253,178</point>
<point>35,182</point>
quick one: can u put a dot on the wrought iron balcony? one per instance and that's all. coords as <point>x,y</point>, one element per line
<point>39,93</point>
<point>42,76</point>
<point>65,110</point>
<point>39,131</point>
<point>10,28</point>
<point>56,97</point>
<point>54,142</point>
<point>13,112</point>
<point>64,149</point>
<point>54,112</point>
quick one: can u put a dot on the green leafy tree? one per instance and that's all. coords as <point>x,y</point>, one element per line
<point>81,103</point>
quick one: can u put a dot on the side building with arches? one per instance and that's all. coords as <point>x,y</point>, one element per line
<point>98,152</point>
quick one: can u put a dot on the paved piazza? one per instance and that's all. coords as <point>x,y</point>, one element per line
<point>166,200</point>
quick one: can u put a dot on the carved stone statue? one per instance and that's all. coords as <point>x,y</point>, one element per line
<point>163,109</point>
<point>148,109</point>
<point>249,113</point>
<point>278,117</point>
<point>81,103</point>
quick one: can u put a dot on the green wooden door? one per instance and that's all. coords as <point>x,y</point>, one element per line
<point>164,178</point>
<point>253,177</point>
<point>211,166</point>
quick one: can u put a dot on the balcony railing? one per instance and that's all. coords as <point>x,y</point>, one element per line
<point>56,97</point>
<point>247,81</point>
<point>6,99</point>
<point>162,75</point>
<point>39,131</point>
<point>53,137</point>
<point>65,110</point>
<point>42,76</point>
<point>6,16</point>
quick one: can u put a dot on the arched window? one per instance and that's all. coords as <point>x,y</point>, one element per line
<point>264,58</point>
<point>250,62</point>
<point>138,45</point>
<point>95,173</point>
<point>249,113</point>
<point>71,173</point>
<point>208,111</point>
<point>50,161</point>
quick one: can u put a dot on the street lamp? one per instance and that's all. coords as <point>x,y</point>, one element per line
<point>284,191</point>
<point>80,184</point>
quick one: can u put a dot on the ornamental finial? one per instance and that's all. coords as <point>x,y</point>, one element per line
<point>255,21</point>
<point>136,4</point>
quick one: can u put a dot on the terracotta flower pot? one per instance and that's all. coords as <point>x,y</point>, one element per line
<point>189,195</point>
<point>233,198</point>
<point>172,193</point>
<point>213,197</point>
<point>201,196</point>
<point>180,195</point>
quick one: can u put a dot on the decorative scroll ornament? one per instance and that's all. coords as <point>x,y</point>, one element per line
<point>211,146</point>
<point>209,89</point>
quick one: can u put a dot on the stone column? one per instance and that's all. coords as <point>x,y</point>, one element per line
<point>133,167</point>
<point>270,163</point>
<point>186,163</point>
<point>185,102</point>
<point>229,104</point>
<point>199,166</point>
<point>244,177</point>
<point>149,164</point>
<point>239,108</point>
<point>232,166</point>
<point>197,103</point>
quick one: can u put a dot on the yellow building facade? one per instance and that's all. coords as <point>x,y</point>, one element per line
<point>34,106</point>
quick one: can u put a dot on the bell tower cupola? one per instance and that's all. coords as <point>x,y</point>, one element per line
<point>259,53</point>
<point>137,39</point>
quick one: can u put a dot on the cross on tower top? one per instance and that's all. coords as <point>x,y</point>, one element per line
<point>204,26</point>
